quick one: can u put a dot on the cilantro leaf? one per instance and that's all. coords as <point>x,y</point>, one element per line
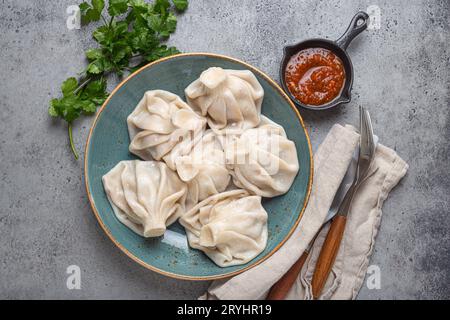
<point>170,24</point>
<point>84,6</point>
<point>66,108</point>
<point>78,98</point>
<point>164,26</point>
<point>117,7</point>
<point>161,7</point>
<point>98,5</point>
<point>138,4</point>
<point>143,41</point>
<point>51,109</point>
<point>88,106</point>
<point>161,52</point>
<point>93,54</point>
<point>154,21</point>
<point>102,35</point>
<point>93,95</point>
<point>96,67</point>
<point>69,86</point>
<point>91,12</point>
<point>180,5</point>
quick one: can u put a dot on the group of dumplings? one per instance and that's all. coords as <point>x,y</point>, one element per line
<point>207,163</point>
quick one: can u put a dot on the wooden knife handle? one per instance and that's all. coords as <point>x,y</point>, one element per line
<point>328,254</point>
<point>281,288</point>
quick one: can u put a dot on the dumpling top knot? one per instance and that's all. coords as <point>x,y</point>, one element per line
<point>230,99</point>
<point>163,127</point>
<point>213,77</point>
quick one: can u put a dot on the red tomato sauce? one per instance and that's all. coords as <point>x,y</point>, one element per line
<point>315,76</point>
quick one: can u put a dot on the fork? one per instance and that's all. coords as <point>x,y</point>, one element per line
<point>333,239</point>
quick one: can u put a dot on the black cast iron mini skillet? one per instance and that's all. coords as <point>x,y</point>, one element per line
<point>338,47</point>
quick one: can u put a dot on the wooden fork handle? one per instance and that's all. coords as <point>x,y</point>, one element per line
<point>328,254</point>
<point>281,288</point>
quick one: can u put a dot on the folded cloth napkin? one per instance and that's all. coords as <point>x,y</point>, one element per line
<point>331,162</point>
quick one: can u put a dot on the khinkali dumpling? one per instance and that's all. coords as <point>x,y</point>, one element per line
<point>262,160</point>
<point>163,127</point>
<point>204,168</point>
<point>229,227</point>
<point>146,196</point>
<point>230,98</point>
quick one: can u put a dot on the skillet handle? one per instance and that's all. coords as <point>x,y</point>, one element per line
<point>357,25</point>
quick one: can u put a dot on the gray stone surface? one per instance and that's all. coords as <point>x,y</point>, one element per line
<point>402,75</point>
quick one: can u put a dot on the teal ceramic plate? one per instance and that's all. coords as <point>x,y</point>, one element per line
<point>108,141</point>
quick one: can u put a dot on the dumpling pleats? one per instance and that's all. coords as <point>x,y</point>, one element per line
<point>262,160</point>
<point>146,195</point>
<point>162,126</point>
<point>204,169</point>
<point>230,99</point>
<point>230,227</point>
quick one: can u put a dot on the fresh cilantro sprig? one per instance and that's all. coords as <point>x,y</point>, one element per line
<point>78,98</point>
<point>132,34</point>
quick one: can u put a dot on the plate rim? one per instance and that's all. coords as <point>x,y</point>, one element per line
<point>171,274</point>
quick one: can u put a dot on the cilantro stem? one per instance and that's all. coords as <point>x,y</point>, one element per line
<point>81,86</point>
<point>72,145</point>
<point>104,20</point>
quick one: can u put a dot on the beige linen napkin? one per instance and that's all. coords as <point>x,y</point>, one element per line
<point>331,162</point>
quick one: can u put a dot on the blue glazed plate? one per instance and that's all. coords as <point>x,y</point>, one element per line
<point>108,141</point>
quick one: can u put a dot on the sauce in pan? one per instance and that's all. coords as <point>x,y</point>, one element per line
<point>315,76</point>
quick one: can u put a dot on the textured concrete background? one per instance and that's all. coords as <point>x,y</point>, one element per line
<point>402,75</point>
